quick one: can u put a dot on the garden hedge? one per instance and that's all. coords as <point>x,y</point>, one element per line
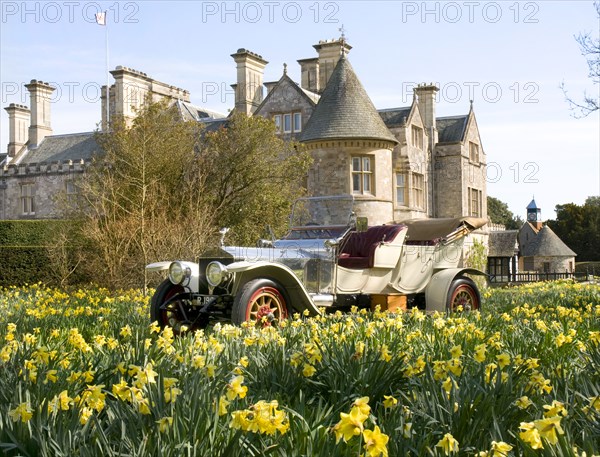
<point>25,256</point>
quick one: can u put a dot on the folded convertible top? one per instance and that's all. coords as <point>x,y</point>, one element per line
<point>437,229</point>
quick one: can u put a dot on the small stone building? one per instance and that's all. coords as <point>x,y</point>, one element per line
<point>534,248</point>
<point>503,250</point>
<point>541,250</point>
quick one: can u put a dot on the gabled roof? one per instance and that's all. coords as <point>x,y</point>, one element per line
<point>503,243</point>
<point>451,129</point>
<point>345,111</point>
<point>395,117</point>
<point>311,97</point>
<point>546,244</point>
<point>75,146</point>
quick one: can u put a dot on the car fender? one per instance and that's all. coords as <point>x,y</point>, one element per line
<point>193,282</point>
<point>299,297</point>
<point>436,292</point>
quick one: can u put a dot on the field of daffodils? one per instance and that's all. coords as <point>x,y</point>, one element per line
<point>85,373</point>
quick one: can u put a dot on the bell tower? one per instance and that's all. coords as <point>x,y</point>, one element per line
<point>534,215</point>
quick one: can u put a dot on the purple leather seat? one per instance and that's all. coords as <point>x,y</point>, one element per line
<point>358,249</point>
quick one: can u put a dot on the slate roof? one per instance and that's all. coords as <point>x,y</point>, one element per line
<point>345,111</point>
<point>451,129</point>
<point>395,117</point>
<point>215,124</point>
<point>75,146</point>
<point>546,244</point>
<point>191,112</point>
<point>503,243</point>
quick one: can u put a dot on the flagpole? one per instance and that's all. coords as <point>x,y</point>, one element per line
<point>107,72</point>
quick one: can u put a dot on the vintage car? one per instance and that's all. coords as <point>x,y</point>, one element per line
<point>329,260</point>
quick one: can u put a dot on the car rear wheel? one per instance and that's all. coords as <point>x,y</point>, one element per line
<point>262,301</point>
<point>463,294</point>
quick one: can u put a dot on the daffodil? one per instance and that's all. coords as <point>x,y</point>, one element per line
<point>375,442</point>
<point>164,424</point>
<point>223,404</point>
<point>548,428</point>
<point>235,388</point>
<point>308,370</point>
<point>448,444</point>
<point>557,408</point>
<point>389,401</point>
<point>500,449</point>
<point>362,404</point>
<point>530,435</point>
<point>503,360</point>
<point>523,402</point>
<point>350,425</point>
<point>22,412</point>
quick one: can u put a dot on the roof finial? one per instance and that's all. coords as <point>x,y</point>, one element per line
<point>285,68</point>
<point>343,40</point>
<point>471,101</point>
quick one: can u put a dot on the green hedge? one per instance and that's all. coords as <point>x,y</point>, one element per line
<point>24,251</point>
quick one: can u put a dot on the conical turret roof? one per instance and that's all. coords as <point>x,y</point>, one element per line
<point>345,111</point>
<point>547,244</point>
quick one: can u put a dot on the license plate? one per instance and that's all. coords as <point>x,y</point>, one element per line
<point>204,299</point>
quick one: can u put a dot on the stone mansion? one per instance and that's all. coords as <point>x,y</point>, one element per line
<point>399,163</point>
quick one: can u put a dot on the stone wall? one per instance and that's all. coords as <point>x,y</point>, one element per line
<point>331,174</point>
<point>49,182</point>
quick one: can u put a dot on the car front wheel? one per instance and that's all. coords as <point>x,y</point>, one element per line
<point>463,293</point>
<point>178,314</point>
<point>262,301</point>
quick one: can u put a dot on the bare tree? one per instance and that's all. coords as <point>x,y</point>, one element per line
<point>590,49</point>
<point>143,199</point>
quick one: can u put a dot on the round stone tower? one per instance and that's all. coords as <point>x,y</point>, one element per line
<point>351,147</point>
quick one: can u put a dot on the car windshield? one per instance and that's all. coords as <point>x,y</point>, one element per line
<point>322,212</point>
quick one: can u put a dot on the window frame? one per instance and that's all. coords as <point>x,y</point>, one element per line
<point>27,199</point>
<point>475,208</point>
<point>365,176</point>
<point>418,192</point>
<point>297,126</point>
<point>416,135</point>
<point>287,119</point>
<point>404,188</point>
<point>277,121</point>
<point>474,155</point>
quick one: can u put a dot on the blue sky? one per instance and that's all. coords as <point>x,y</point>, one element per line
<point>509,57</point>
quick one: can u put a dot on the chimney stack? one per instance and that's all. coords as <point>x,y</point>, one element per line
<point>426,95</point>
<point>250,73</point>
<point>329,54</point>
<point>309,71</point>
<point>19,118</point>
<point>39,95</point>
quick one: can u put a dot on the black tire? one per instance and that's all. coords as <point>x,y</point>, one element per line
<point>463,292</point>
<point>172,316</point>
<point>260,298</point>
